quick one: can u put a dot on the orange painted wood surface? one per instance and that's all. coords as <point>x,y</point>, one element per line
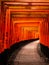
<point>44,34</point>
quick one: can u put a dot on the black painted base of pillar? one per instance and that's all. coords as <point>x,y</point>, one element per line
<point>4,57</point>
<point>44,50</point>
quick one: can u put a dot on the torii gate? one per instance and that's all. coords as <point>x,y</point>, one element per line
<point>36,10</point>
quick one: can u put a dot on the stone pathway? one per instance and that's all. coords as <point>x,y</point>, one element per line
<point>27,55</point>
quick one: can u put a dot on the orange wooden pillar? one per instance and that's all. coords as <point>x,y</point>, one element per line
<point>44,34</point>
<point>2,29</point>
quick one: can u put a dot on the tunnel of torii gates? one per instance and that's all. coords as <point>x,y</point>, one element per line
<point>24,21</point>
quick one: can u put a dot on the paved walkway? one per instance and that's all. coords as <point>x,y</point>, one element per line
<point>27,55</point>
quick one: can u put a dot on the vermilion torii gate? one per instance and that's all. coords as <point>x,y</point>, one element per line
<point>24,15</point>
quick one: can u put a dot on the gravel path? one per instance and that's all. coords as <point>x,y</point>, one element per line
<point>27,55</point>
